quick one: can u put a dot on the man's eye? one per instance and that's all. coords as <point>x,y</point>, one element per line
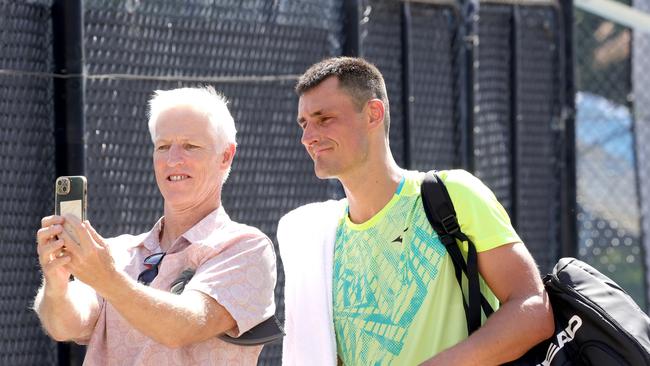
<point>190,146</point>
<point>162,148</point>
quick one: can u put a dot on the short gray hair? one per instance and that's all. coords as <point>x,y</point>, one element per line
<point>205,99</point>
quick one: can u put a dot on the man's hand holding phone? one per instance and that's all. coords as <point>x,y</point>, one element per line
<point>51,255</point>
<point>90,258</point>
<point>57,234</point>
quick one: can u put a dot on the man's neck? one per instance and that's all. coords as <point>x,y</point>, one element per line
<point>371,190</point>
<point>178,221</point>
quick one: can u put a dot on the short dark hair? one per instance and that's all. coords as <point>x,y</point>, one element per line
<point>358,77</point>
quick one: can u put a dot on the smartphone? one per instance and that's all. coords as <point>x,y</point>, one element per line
<point>70,198</point>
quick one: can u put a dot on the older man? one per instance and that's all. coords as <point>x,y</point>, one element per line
<point>121,302</point>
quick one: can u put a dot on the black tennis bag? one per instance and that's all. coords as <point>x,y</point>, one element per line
<point>596,322</point>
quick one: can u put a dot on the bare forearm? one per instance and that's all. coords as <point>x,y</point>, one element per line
<point>506,335</point>
<point>67,315</point>
<point>172,320</point>
<point>167,318</point>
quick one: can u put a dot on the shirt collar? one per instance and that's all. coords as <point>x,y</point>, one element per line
<point>202,230</point>
<point>197,234</point>
<point>152,239</point>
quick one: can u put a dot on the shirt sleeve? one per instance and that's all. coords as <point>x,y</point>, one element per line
<point>241,278</point>
<point>480,215</point>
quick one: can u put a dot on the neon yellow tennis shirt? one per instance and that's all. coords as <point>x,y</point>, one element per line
<point>396,300</point>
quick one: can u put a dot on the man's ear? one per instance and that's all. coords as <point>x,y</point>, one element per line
<point>376,112</point>
<point>228,155</point>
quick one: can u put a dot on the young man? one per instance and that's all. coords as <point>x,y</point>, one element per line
<point>126,302</point>
<point>367,281</point>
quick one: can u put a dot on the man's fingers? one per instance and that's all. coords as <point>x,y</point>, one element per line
<point>73,228</point>
<point>49,250</point>
<point>79,232</point>
<point>57,262</point>
<point>75,249</point>
<point>71,245</point>
<point>93,233</point>
<point>49,247</point>
<point>70,230</point>
<point>51,220</point>
<point>47,233</point>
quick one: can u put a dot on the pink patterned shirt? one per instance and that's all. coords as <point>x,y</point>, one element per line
<point>234,264</point>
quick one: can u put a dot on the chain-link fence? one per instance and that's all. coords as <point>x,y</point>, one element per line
<point>27,171</point>
<point>641,98</point>
<point>492,106</point>
<point>609,217</point>
<point>517,134</point>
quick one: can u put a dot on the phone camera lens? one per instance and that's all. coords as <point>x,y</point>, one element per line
<point>58,183</point>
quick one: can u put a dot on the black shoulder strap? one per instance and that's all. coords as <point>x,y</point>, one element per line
<point>442,216</point>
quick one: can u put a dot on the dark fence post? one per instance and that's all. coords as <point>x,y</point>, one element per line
<point>568,171</point>
<point>68,100</point>
<point>407,90</point>
<point>67,23</point>
<point>468,38</point>
<point>514,117</point>
<point>351,33</point>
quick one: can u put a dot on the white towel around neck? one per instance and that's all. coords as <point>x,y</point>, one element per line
<point>306,239</point>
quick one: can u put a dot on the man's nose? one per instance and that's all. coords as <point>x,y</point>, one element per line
<point>175,155</point>
<point>309,135</point>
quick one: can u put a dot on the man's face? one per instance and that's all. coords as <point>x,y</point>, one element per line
<point>187,159</point>
<point>334,130</point>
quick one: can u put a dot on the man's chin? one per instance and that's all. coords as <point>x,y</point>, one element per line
<point>174,202</point>
<point>176,198</point>
<point>181,206</point>
<point>324,173</point>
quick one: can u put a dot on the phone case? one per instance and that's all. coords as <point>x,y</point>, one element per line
<point>70,196</point>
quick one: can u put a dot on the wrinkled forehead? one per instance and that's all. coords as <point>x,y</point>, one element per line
<point>183,122</point>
